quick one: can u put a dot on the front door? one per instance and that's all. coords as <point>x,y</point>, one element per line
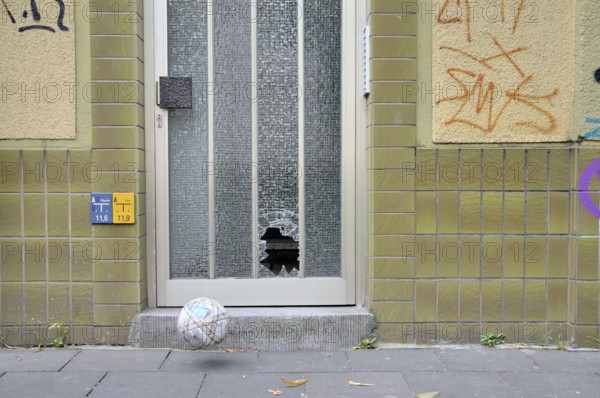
<point>255,184</point>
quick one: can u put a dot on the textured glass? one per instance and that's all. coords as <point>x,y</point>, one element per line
<point>276,95</point>
<point>322,137</point>
<point>277,121</point>
<point>233,138</point>
<point>188,137</point>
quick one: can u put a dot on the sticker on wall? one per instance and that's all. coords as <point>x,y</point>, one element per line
<point>123,208</point>
<point>112,208</point>
<point>502,72</point>
<point>101,208</point>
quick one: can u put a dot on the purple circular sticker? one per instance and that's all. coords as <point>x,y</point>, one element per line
<point>584,186</point>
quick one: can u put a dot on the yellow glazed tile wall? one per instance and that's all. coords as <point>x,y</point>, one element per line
<point>471,239</point>
<point>54,265</point>
<point>495,247</point>
<point>391,157</point>
<point>584,311</point>
<point>118,150</point>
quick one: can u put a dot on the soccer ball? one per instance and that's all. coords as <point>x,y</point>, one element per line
<point>202,322</point>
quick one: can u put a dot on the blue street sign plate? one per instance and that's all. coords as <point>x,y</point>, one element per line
<point>101,208</point>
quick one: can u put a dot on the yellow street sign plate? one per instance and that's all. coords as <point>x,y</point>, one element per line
<point>123,208</point>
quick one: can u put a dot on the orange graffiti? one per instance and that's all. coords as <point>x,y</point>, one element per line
<point>443,19</point>
<point>484,61</point>
<point>518,16</point>
<point>484,116</point>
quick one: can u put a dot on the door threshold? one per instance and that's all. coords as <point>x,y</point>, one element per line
<point>264,328</point>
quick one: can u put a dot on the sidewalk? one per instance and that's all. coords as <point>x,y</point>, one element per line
<point>458,372</point>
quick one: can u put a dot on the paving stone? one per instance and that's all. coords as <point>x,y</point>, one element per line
<point>394,360</point>
<point>252,385</point>
<point>486,359</point>
<point>48,384</point>
<point>388,384</point>
<point>149,385</point>
<point>49,359</point>
<point>550,386</point>
<point>118,359</point>
<point>561,361</point>
<point>461,384</point>
<point>456,372</point>
<point>336,361</point>
<point>202,361</point>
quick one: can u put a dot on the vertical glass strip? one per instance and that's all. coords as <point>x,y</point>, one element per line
<point>277,135</point>
<point>188,134</point>
<point>211,138</point>
<point>301,191</point>
<point>255,235</point>
<point>232,93</point>
<point>322,132</point>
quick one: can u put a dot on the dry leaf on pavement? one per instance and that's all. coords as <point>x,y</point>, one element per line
<point>294,383</point>
<point>235,350</point>
<point>432,394</point>
<point>276,392</point>
<point>354,383</point>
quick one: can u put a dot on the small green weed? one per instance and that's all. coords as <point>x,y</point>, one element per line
<point>493,339</point>
<point>561,345</point>
<point>61,333</point>
<point>366,344</point>
<point>594,340</point>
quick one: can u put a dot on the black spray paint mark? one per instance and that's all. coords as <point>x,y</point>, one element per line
<point>12,19</point>
<point>40,27</point>
<point>35,14</point>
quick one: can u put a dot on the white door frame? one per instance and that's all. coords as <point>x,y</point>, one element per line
<point>281,291</point>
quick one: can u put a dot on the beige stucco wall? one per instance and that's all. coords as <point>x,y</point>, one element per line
<point>38,76</point>
<point>503,71</point>
<point>586,111</point>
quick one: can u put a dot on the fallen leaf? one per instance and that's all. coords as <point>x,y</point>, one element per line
<point>432,394</point>
<point>354,383</point>
<point>276,392</point>
<point>294,383</point>
<point>235,350</point>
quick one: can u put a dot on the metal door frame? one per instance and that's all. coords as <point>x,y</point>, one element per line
<point>247,292</point>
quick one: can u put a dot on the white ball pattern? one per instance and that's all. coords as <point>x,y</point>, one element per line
<point>202,322</point>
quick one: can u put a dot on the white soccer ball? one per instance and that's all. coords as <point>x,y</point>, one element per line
<point>202,322</point>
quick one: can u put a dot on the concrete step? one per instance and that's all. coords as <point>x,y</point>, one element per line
<point>264,329</point>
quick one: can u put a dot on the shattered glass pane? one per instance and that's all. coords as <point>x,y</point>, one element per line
<point>277,122</point>
<point>188,137</point>
<point>282,252</point>
<point>233,138</point>
<point>322,142</point>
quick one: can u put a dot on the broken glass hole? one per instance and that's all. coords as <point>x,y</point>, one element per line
<point>282,251</point>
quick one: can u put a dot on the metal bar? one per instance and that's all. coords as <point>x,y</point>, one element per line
<point>211,143</point>
<point>254,83</point>
<point>300,172</point>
